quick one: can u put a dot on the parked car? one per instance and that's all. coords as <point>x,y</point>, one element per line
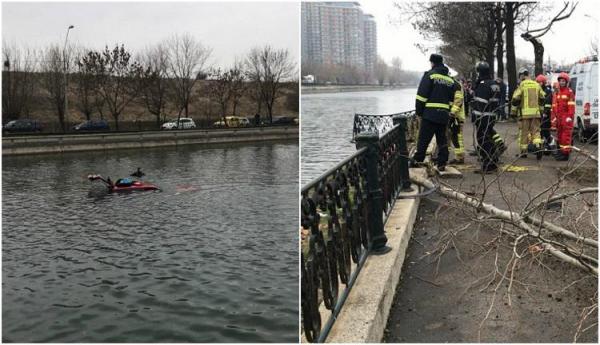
<point>233,122</point>
<point>184,123</point>
<point>22,125</point>
<point>584,82</point>
<point>92,125</point>
<point>283,120</point>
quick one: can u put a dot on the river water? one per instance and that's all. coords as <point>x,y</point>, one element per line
<point>327,124</point>
<point>213,257</point>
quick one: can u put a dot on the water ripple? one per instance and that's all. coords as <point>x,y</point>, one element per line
<point>210,258</point>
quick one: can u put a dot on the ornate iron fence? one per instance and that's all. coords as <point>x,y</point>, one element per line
<point>344,211</point>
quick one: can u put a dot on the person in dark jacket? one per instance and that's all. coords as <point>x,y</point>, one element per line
<point>502,111</point>
<point>545,123</point>
<point>435,93</point>
<point>486,102</point>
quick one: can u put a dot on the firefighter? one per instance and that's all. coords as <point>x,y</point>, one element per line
<point>486,103</point>
<point>435,93</point>
<point>545,111</point>
<point>564,109</point>
<point>527,99</point>
<point>457,118</point>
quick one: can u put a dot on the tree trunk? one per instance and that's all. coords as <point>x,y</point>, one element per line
<point>499,42</point>
<point>511,61</point>
<point>234,107</point>
<point>538,51</point>
<point>270,112</point>
<point>490,42</point>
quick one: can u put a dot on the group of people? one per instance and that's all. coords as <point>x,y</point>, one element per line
<point>442,102</point>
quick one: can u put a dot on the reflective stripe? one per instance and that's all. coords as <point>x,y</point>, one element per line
<point>571,103</point>
<point>437,105</point>
<point>494,99</point>
<point>421,98</point>
<point>441,76</point>
<point>547,106</point>
<point>479,99</point>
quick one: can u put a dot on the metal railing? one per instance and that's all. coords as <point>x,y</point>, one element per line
<point>345,210</point>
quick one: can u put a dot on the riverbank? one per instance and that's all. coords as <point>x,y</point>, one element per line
<point>462,281</point>
<point>22,145</point>
<point>307,90</point>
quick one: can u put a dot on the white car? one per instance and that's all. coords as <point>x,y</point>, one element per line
<point>184,123</point>
<point>584,82</point>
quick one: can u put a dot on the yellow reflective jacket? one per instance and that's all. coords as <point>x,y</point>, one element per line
<point>529,98</point>
<point>457,107</point>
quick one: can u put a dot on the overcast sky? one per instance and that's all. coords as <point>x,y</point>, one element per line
<point>230,28</point>
<point>568,41</point>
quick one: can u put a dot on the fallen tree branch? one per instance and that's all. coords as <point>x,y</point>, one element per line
<point>585,153</point>
<point>561,231</point>
<point>511,217</point>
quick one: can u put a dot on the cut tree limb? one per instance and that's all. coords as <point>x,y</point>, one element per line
<point>585,153</point>
<point>512,217</point>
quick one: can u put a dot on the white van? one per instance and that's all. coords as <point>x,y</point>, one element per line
<point>584,82</point>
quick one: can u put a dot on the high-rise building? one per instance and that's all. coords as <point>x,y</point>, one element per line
<point>338,33</point>
<point>370,35</point>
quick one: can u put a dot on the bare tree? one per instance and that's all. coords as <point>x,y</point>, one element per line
<point>155,81</point>
<point>253,92</point>
<point>219,90</point>
<point>54,67</point>
<point>187,58</point>
<point>381,70</point>
<point>18,83</point>
<point>238,85</point>
<point>533,35</point>
<point>86,92</point>
<point>268,68</point>
<point>118,78</point>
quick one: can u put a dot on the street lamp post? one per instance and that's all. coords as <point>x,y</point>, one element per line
<point>65,75</point>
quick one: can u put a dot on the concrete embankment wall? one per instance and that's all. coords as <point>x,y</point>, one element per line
<point>37,144</point>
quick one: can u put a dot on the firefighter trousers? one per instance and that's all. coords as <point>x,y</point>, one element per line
<point>545,129</point>
<point>564,132</point>
<point>529,133</point>
<point>426,132</point>
<point>486,147</point>
<point>455,134</point>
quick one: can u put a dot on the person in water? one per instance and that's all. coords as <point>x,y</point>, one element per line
<point>138,173</point>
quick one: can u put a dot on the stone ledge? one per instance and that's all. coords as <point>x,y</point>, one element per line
<point>363,317</point>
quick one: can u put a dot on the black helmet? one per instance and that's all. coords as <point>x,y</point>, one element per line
<point>483,68</point>
<point>523,71</point>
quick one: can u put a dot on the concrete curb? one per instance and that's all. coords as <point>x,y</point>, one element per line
<point>136,140</point>
<point>364,316</point>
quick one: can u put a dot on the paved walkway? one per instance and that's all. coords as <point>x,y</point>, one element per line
<point>445,298</point>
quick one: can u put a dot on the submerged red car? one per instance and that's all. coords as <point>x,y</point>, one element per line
<point>124,184</point>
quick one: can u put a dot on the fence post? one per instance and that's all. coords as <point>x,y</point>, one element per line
<point>378,239</point>
<point>404,172</point>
